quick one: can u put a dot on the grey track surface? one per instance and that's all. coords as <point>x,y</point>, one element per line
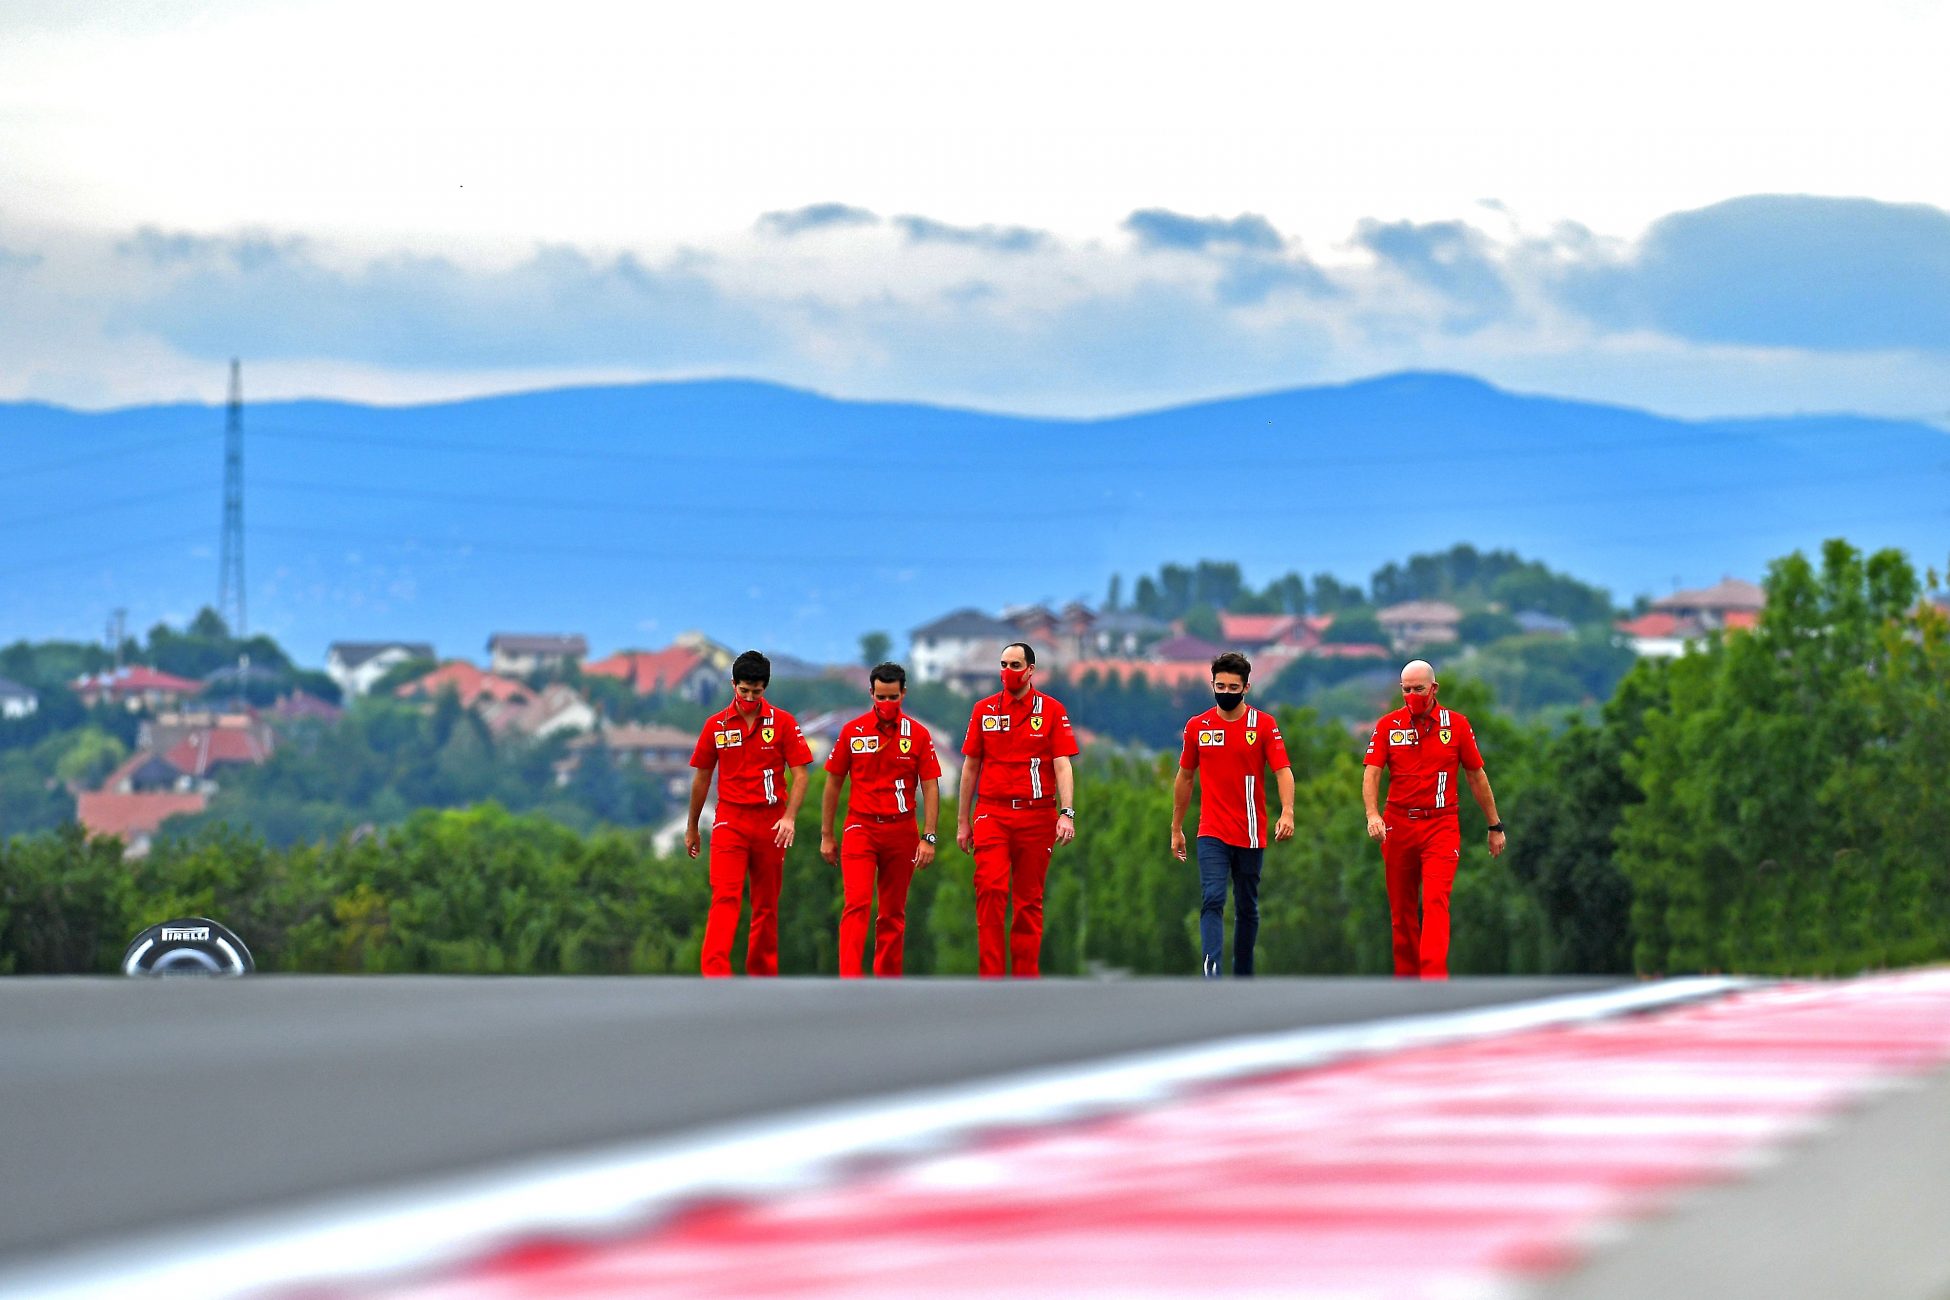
<point>131,1105</point>
<point>1861,1210</point>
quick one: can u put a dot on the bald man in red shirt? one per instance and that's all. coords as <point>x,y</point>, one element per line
<point>890,759</point>
<point>760,759</point>
<point>1018,752</point>
<point>1422,745</point>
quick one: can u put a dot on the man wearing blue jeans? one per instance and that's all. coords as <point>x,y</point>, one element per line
<point>1231,747</point>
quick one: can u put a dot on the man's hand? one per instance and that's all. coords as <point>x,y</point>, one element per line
<point>923,855</point>
<point>829,848</point>
<point>965,838</point>
<point>1497,840</point>
<point>692,840</point>
<point>1377,828</point>
<point>1066,830</point>
<point>1178,842</point>
<point>1283,828</point>
<point>782,832</point>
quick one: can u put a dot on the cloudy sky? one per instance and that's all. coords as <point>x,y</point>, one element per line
<point>1730,208</point>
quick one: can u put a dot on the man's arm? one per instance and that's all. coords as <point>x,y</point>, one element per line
<point>971,771</point>
<point>700,787</point>
<point>1181,799</point>
<point>795,794</point>
<point>930,815</point>
<point>1371,800</point>
<point>1479,785</point>
<point>1066,793</point>
<point>829,808</point>
<point>1283,780</point>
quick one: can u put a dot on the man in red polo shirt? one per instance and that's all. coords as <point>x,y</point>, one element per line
<point>1421,745</point>
<point>895,774</point>
<point>752,746</point>
<point>1231,747</point>
<point>1018,748</point>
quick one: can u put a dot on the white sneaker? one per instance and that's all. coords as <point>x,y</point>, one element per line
<point>1211,968</point>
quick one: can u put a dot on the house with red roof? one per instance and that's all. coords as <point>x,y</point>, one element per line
<point>675,670</point>
<point>136,687</point>
<point>134,818</point>
<point>469,683</point>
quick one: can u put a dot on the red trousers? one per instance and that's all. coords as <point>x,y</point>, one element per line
<point>741,847</point>
<point>1421,856</point>
<point>1012,848</point>
<point>876,857</point>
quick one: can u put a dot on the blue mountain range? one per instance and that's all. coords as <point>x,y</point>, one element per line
<point>779,518</point>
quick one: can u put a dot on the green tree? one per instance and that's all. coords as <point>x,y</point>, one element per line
<point>875,647</point>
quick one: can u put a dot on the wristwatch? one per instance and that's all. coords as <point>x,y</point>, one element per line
<point>1498,828</point>
<point>929,838</point>
<point>1071,813</point>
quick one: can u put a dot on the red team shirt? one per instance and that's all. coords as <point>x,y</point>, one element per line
<point>887,760</point>
<point>751,757</point>
<point>1422,755</point>
<point>1231,758</point>
<point>1017,742</point>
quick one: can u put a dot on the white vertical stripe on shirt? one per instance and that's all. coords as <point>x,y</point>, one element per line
<point>771,795</point>
<point>900,796</point>
<point>1035,778</point>
<point>1252,813</point>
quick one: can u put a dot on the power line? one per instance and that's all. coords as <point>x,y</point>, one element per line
<point>230,581</point>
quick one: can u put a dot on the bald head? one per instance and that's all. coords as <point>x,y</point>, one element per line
<point>1417,672</point>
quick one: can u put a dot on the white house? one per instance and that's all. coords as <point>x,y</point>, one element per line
<point>16,701</point>
<point>953,641</point>
<point>356,665</point>
<point>515,654</point>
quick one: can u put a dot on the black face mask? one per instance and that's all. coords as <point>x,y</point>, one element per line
<point>1228,700</point>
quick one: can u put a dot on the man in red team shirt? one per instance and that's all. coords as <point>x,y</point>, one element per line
<point>1231,747</point>
<point>1018,748</point>
<point>1422,745</point>
<point>751,745</point>
<point>895,773</point>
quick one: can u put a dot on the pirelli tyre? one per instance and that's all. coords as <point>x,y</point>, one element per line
<point>188,945</point>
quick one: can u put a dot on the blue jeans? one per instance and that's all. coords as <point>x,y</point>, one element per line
<point>1219,862</point>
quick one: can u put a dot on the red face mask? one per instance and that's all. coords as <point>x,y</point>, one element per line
<point>1013,678</point>
<point>749,706</point>
<point>1420,704</point>
<point>887,710</point>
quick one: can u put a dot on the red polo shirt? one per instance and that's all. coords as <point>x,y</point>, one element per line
<point>751,756</point>
<point>1232,759</point>
<point>887,761</point>
<point>1017,743</point>
<point>1421,756</point>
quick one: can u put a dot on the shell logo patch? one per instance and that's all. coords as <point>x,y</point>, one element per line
<point>866,744</point>
<point>994,723</point>
<point>730,739</point>
<point>1211,739</point>
<point>1444,733</point>
<point>907,745</point>
<point>765,734</point>
<point>1402,736</point>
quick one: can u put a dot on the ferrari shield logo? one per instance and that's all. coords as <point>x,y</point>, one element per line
<point>1252,737</point>
<point>1444,733</point>
<point>765,734</point>
<point>1036,723</point>
<point>907,745</point>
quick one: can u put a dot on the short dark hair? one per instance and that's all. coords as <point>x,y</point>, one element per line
<point>1233,662</point>
<point>752,667</point>
<point>1028,651</point>
<point>888,672</point>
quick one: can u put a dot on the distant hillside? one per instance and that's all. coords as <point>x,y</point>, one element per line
<point>781,518</point>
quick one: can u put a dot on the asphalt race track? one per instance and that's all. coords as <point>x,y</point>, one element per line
<point>133,1105</point>
<point>138,1107</point>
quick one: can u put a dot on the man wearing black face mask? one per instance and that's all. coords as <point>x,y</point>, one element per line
<point>1231,746</point>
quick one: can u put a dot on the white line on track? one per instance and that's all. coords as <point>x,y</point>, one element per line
<point>452,1219</point>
